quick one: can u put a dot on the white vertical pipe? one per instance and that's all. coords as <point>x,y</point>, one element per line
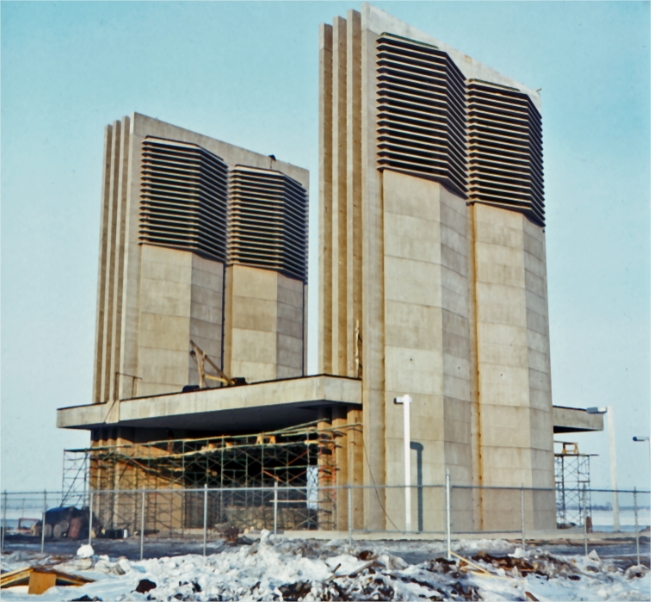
<point>613,467</point>
<point>406,402</point>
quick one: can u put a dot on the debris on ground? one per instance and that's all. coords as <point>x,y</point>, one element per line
<point>39,579</point>
<point>270,568</point>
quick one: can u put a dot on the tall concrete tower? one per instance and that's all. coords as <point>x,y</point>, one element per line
<point>202,241</point>
<point>433,270</point>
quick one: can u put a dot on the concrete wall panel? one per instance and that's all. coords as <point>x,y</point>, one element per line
<point>265,324</point>
<point>416,282</point>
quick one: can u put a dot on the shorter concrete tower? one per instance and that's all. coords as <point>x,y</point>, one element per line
<point>201,241</point>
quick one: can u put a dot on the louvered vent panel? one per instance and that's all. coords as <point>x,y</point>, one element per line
<point>267,221</point>
<point>505,150</point>
<point>421,112</point>
<point>183,198</point>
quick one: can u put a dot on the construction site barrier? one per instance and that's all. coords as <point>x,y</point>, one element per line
<point>205,515</point>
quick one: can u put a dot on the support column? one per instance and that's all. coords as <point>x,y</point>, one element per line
<point>356,465</point>
<point>341,478</point>
<point>326,511</point>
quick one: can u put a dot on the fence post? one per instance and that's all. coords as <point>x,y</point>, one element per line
<point>205,515</point>
<point>275,507</point>
<point>522,513</point>
<point>90,519</point>
<point>637,533</point>
<point>447,512</point>
<point>43,524</point>
<point>142,524</point>
<point>4,521</point>
<point>585,522</point>
<point>350,515</point>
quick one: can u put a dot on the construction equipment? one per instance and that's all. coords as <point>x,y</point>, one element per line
<point>200,357</point>
<point>67,522</point>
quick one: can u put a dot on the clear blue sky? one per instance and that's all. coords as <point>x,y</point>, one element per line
<point>247,73</point>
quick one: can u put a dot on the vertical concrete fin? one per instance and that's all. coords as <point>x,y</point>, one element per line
<point>109,296</point>
<point>475,412</point>
<point>339,222</point>
<point>354,190</point>
<point>118,381</point>
<point>100,348</point>
<point>325,199</point>
<point>132,252</point>
<point>373,397</point>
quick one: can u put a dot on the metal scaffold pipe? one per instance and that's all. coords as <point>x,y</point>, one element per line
<point>205,516</point>
<point>142,524</point>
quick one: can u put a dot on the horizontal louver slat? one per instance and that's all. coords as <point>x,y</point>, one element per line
<point>183,198</point>
<point>505,165</point>
<point>267,221</point>
<point>421,112</point>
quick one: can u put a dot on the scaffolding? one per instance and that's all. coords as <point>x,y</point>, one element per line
<point>572,476</point>
<point>74,482</point>
<point>299,462</point>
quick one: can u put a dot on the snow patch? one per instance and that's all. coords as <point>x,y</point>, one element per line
<point>85,551</point>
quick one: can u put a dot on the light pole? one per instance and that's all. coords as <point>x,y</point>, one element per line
<point>608,410</point>
<point>405,400</point>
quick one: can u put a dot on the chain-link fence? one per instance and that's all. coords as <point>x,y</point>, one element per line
<point>207,514</point>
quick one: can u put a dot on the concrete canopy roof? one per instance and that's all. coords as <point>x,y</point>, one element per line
<point>576,420</point>
<point>256,407</point>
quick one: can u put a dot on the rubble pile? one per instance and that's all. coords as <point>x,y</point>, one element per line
<point>280,569</point>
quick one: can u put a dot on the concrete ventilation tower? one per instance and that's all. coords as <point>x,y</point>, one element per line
<point>163,275</point>
<point>432,251</point>
<point>433,283</point>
